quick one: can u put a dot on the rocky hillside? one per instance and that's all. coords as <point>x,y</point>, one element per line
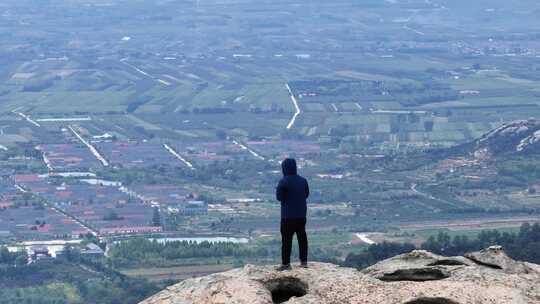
<point>419,277</point>
<point>521,136</point>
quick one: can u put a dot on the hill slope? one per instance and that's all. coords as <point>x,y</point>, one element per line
<point>517,137</point>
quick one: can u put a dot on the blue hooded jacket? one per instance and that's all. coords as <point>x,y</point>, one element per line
<point>292,191</point>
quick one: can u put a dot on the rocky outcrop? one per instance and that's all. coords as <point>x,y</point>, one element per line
<point>495,257</point>
<point>516,137</point>
<point>419,277</point>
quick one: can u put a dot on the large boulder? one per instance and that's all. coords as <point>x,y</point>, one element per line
<point>418,265</point>
<point>419,277</point>
<point>495,257</point>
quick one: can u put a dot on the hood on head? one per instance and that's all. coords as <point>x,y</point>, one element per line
<point>288,166</point>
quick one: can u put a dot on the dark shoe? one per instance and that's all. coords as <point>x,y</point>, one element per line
<point>304,265</point>
<point>283,267</point>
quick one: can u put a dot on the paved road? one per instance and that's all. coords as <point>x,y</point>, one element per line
<point>91,148</point>
<point>295,102</point>
<point>175,154</point>
<point>244,147</point>
<point>27,118</point>
<point>364,238</point>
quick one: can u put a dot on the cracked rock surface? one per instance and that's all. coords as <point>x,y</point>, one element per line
<point>418,277</point>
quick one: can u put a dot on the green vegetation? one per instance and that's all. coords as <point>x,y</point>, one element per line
<point>12,259</point>
<point>376,253</point>
<point>523,245</point>
<point>111,216</point>
<point>153,253</point>
<point>54,293</point>
<point>68,280</point>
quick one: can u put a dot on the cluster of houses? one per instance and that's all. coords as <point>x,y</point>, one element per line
<point>48,250</point>
<point>81,203</point>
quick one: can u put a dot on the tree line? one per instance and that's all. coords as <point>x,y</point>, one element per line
<point>523,245</point>
<point>71,279</point>
<point>145,251</point>
<point>9,259</point>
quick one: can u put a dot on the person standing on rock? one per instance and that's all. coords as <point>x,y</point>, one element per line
<point>292,191</point>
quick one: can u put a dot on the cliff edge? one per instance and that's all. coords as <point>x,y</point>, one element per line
<point>418,277</point>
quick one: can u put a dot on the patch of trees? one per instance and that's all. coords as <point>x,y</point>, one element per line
<point>409,94</point>
<point>63,280</point>
<point>523,245</point>
<point>50,294</point>
<point>324,87</point>
<point>21,276</point>
<point>376,253</point>
<point>112,216</point>
<point>156,218</point>
<point>143,251</point>
<point>430,96</point>
<point>8,258</point>
<point>523,171</point>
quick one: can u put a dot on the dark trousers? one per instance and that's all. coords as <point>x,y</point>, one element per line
<point>288,228</point>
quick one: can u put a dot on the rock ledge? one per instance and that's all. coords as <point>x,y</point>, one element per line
<point>418,277</point>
